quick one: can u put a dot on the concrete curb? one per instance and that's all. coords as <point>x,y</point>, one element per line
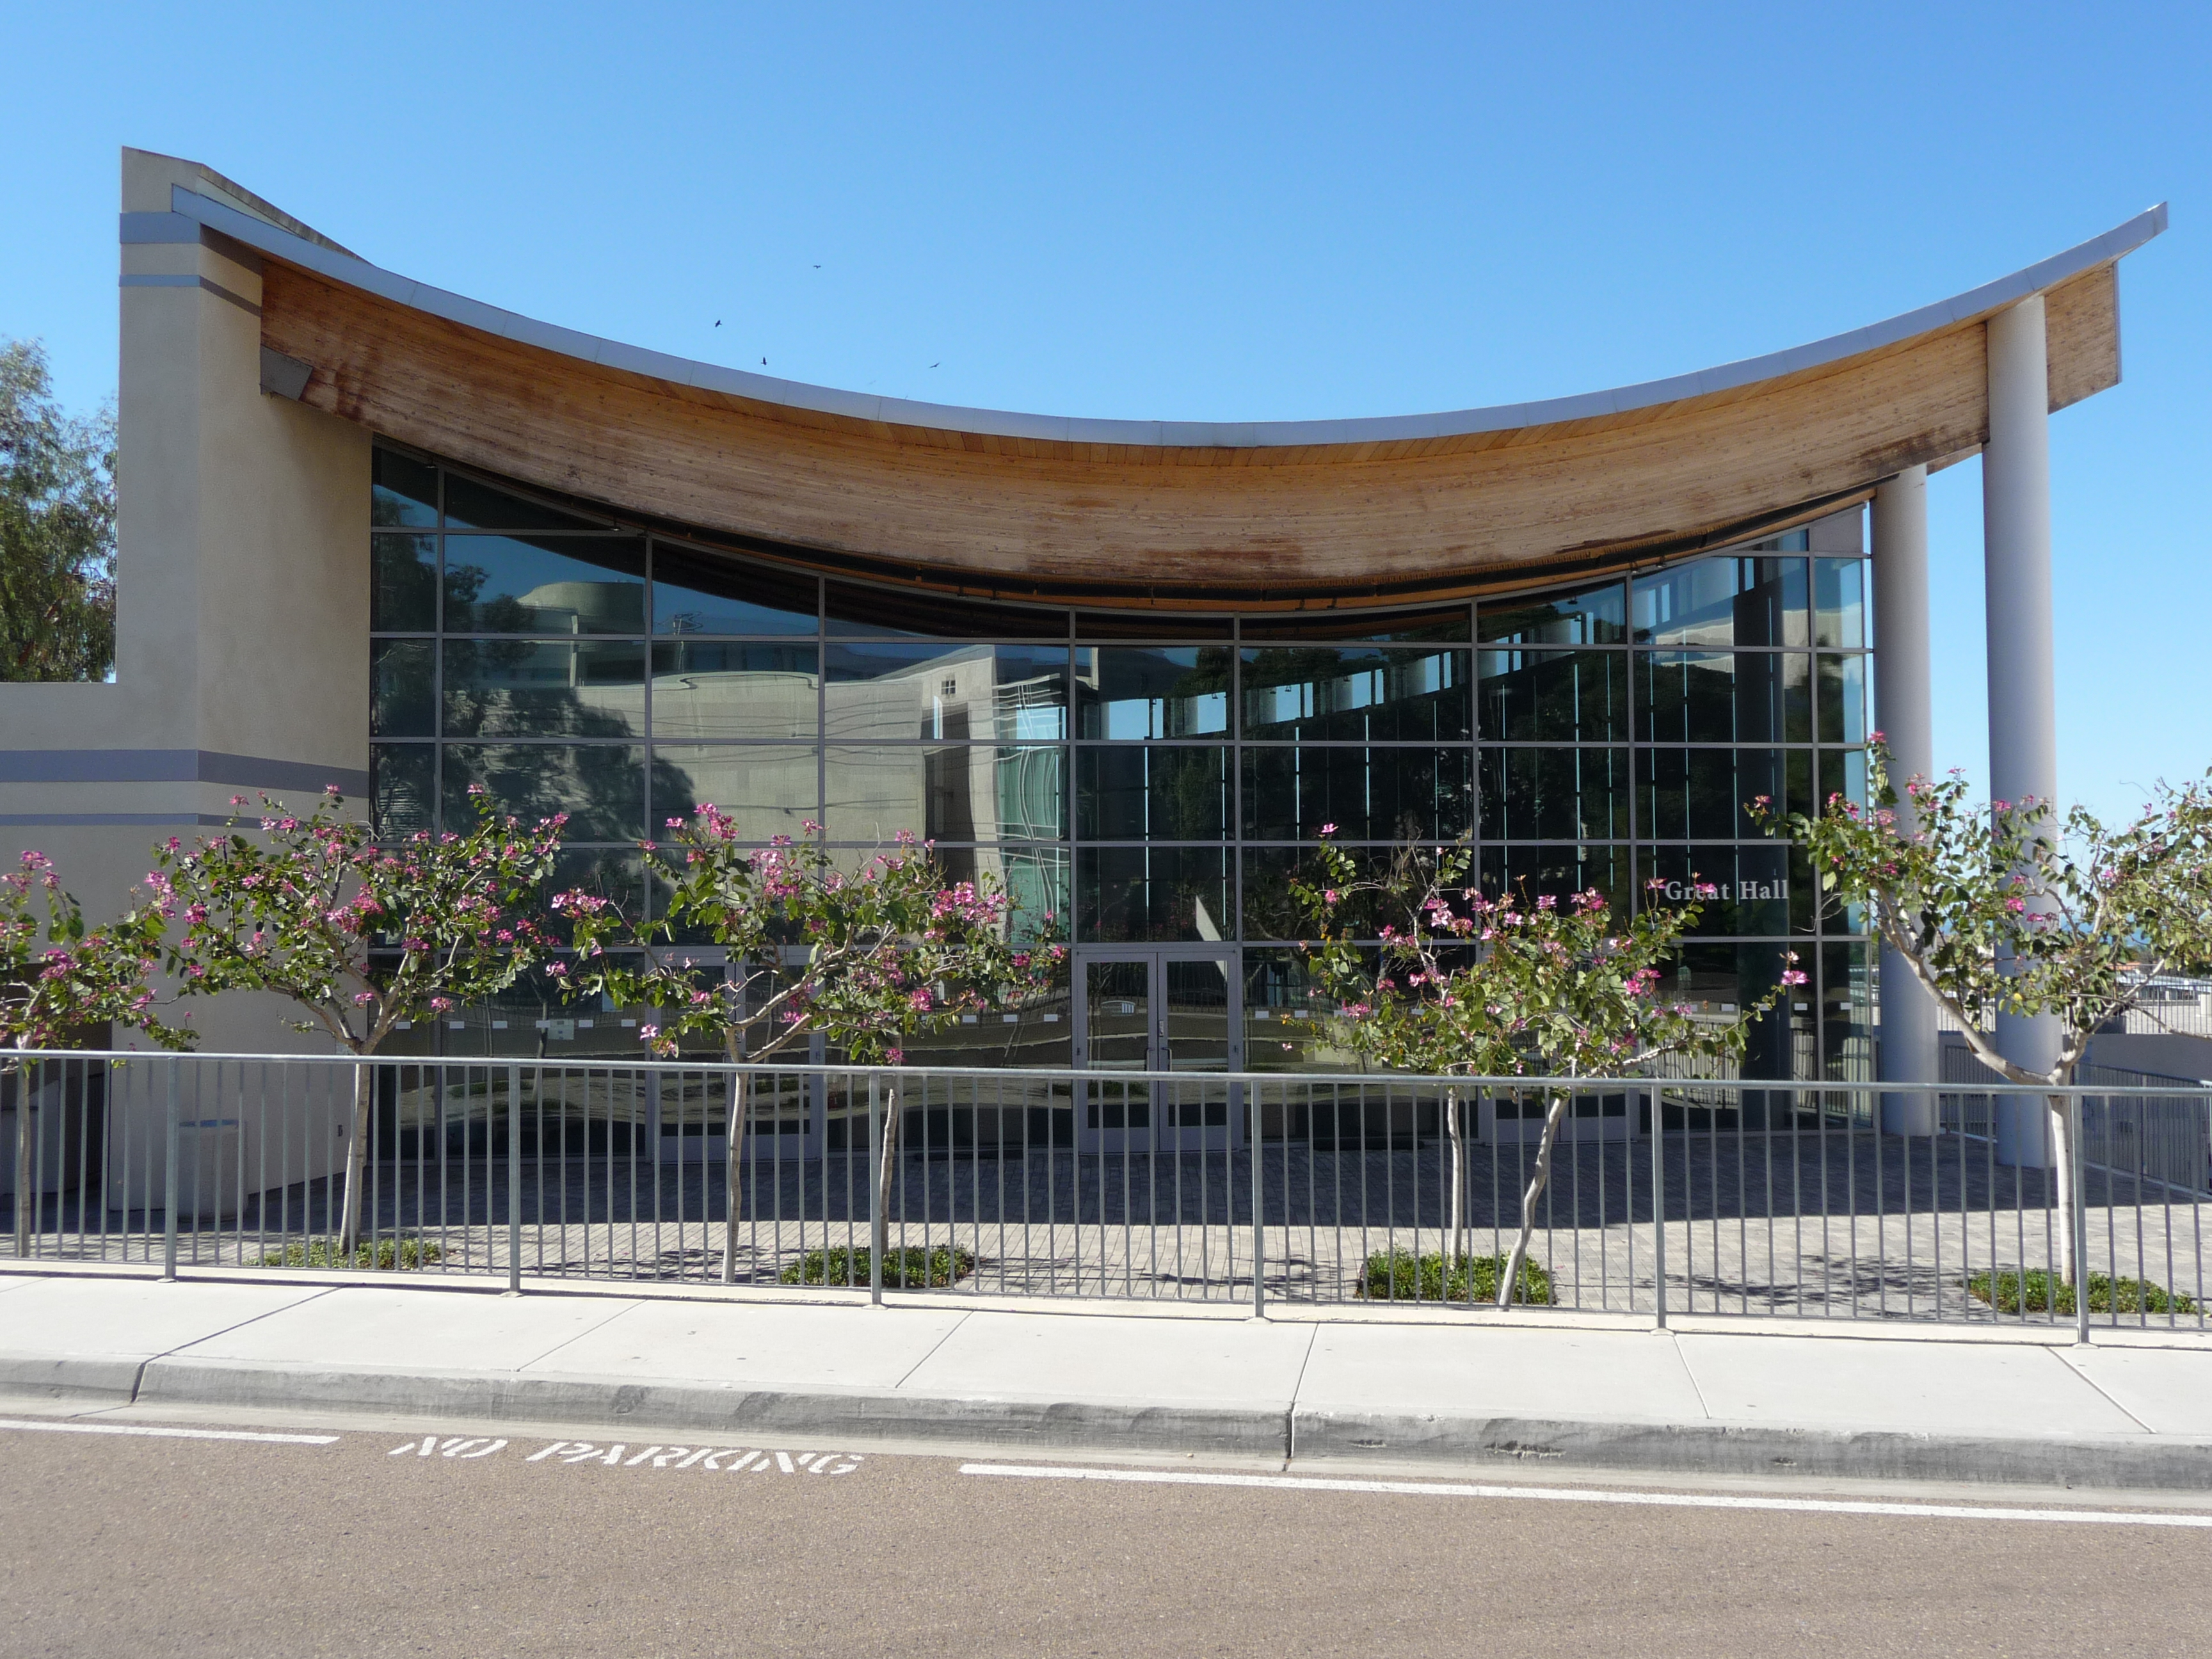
<point>76,1378</point>
<point>724,1408</point>
<point>1043,1426</point>
<point>2138,1462</point>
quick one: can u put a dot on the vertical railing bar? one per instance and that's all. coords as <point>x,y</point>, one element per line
<point>1797,1209</point>
<point>1935,1211</point>
<point>1154,1138</point>
<point>1830,1298</point>
<point>560,1169</point>
<point>1604,1180</point>
<point>2019,1216</point>
<point>1881,1217</point>
<point>1628,1193</point>
<point>1205,1222</point>
<point>1965,1203</point>
<point>2142,1297</point>
<point>1851,1158</point>
<point>879,1220</point>
<point>1029,1175</point>
<point>2203,1108</point>
<point>1766,1144</point>
<point>1659,1205</point>
<point>169,1181</point>
<point>1257,1150</point>
<point>998,1205</point>
<point>2165,1219</point>
<point>514,1174</point>
<point>2078,1222</point>
<point>1743,1203</point>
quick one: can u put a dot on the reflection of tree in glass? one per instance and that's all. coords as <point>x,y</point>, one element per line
<point>1211,672</point>
<point>527,688</point>
<point>1194,790</point>
<point>462,583</point>
<point>597,784</point>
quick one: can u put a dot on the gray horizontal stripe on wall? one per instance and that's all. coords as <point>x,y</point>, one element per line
<point>94,820</point>
<point>215,288</point>
<point>172,766</point>
<point>145,227</point>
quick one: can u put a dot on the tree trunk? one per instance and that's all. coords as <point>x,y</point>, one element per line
<point>2061,1154</point>
<point>356,1168</point>
<point>1508,1280</point>
<point>886,1166</point>
<point>1456,1208</point>
<point>733,1163</point>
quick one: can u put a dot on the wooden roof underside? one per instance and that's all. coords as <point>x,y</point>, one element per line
<point>1284,525</point>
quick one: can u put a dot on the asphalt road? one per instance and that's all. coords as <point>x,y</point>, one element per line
<point>141,1546</point>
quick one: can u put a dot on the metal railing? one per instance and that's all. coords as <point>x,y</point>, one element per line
<point>1668,1196</point>
<point>2171,1004</point>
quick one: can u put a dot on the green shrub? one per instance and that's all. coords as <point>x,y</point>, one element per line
<point>2040,1291</point>
<point>386,1253</point>
<point>911,1269</point>
<point>1399,1276</point>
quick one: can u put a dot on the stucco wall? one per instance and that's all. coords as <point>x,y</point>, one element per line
<point>242,573</point>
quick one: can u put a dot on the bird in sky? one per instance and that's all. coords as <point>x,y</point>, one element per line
<point>763,363</point>
<point>718,322</point>
<point>933,365</point>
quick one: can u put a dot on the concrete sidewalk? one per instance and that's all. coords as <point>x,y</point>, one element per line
<point>1746,1400</point>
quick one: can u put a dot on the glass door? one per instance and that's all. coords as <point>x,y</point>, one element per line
<point>1144,1011</point>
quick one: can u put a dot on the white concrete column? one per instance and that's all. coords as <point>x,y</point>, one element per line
<point>2023,702</point>
<point>1903,700</point>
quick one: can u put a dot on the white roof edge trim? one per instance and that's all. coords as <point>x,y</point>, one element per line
<point>2121,240</point>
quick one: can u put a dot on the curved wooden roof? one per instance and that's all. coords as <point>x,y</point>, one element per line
<point>1291,515</point>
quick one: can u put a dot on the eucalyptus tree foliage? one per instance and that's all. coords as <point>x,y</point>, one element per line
<point>1463,986</point>
<point>2010,909</point>
<point>361,939</point>
<point>868,959</point>
<point>57,528</point>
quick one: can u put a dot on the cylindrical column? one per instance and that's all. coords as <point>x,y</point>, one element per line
<point>2023,699</point>
<point>1908,1052</point>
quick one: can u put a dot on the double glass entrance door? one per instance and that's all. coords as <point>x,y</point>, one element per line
<point>1171,1009</point>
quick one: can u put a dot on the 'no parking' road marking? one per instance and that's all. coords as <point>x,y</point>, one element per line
<point>720,1460</point>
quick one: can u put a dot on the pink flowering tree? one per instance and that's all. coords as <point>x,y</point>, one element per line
<point>57,976</point>
<point>361,938</point>
<point>2008,909</point>
<point>870,959</point>
<point>1463,986</point>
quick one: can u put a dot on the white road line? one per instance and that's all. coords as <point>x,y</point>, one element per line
<point>1587,1495</point>
<point>168,1434</point>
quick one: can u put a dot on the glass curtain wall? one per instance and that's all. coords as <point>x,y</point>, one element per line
<point>1150,777</point>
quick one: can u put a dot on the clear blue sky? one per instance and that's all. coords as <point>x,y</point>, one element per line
<point>1215,213</point>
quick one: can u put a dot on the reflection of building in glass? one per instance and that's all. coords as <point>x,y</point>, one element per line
<point>1605,734</point>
